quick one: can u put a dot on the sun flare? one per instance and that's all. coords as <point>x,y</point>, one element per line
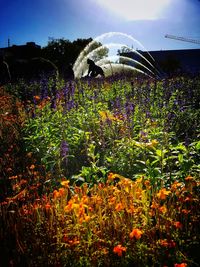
<point>136,10</point>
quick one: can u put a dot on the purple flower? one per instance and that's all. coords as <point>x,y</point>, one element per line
<point>64,149</point>
<point>66,93</point>
<point>44,88</point>
<point>70,105</point>
<point>129,106</point>
<point>53,103</point>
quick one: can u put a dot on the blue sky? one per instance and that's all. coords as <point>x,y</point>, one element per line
<point>36,20</point>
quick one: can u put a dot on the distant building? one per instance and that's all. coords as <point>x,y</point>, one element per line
<point>169,61</point>
<point>27,51</point>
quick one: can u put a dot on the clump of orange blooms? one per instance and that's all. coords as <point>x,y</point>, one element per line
<point>94,222</point>
<point>136,233</point>
<point>119,249</point>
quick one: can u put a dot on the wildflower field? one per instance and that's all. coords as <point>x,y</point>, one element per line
<point>100,172</point>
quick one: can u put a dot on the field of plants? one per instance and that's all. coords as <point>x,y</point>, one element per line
<point>100,172</point>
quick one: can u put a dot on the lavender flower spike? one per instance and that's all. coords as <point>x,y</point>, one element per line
<point>64,149</point>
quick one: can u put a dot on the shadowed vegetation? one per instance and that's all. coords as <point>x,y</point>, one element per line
<point>100,172</point>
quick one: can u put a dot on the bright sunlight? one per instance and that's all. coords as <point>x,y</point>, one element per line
<point>136,10</point>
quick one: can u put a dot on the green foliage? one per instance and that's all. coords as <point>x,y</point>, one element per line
<point>132,129</point>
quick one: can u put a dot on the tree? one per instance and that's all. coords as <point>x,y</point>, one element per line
<point>64,53</point>
<point>123,50</point>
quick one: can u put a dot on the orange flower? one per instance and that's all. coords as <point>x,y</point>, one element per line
<point>32,167</point>
<point>87,218</point>
<point>96,199</point>
<point>131,209</point>
<point>154,205</point>
<point>104,251</point>
<point>185,211</point>
<point>36,97</point>
<point>29,155</point>
<point>74,242</point>
<point>189,178</point>
<point>178,225</point>
<point>61,191</point>
<point>176,185</point>
<point>84,218</point>
<point>56,194</point>
<point>180,265</point>
<point>163,209</point>
<point>188,199</point>
<point>84,199</point>
<point>137,233</point>
<point>13,177</point>
<point>119,250</point>
<point>112,200</point>
<point>147,183</point>
<point>163,243</point>
<point>119,207</point>
<point>111,176</point>
<point>69,206</point>
<point>47,206</point>
<point>163,193</point>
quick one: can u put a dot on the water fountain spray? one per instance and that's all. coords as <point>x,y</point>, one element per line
<point>80,65</point>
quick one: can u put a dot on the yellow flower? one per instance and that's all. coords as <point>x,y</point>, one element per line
<point>106,115</point>
<point>112,176</point>
<point>151,144</point>
<point>154,142</point>
<point>65,183</point>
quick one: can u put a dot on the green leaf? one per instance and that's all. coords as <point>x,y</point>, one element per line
<point>180,158</point>
<point>198,145</point>
<point>159,152</point>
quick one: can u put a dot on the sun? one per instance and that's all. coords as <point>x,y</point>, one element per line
<point>136,9</point>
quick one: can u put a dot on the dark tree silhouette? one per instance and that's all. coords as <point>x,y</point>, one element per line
<point>63,53</point>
